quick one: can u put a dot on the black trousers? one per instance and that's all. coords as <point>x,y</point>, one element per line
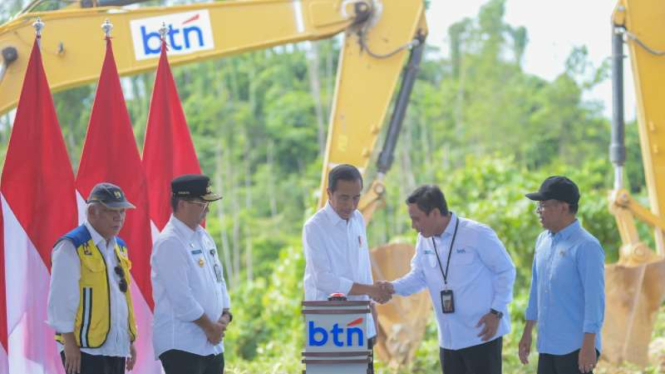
<point>480,359</point>
<point>181,362</point>
<point>91,364</point>
<point>560,364</point>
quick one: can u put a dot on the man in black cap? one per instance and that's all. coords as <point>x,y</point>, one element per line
<point>90,302</point>
<point>567,297</point>
<point>192,306</point>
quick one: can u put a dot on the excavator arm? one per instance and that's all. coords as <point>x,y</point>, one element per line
<point>73,53</point>
<point>378,37</point>
<point>635,285</point>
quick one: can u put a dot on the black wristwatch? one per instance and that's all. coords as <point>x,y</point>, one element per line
<point>496,313</point>
<point>226,312</point>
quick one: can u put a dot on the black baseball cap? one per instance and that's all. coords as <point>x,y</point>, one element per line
<point>557,188</point>
<point>193,186</point>
<point>109,195</point>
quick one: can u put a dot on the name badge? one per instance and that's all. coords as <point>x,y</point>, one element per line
<point>218,273</point>
<point>447,302</point>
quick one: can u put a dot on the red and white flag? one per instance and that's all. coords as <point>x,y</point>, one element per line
<point>38,206</point>
<point>110,155</point>
<point>168,150</point>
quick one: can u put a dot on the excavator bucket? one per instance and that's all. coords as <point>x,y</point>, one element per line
<point>402,321</point>
<point>634,294</point>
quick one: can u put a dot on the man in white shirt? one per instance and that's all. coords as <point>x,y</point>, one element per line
<point>192,306</point>
<point>470,278</point>
<point>336,251</point>
<point>89,301</point>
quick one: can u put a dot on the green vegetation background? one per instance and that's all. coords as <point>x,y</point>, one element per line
<point>478,125</point>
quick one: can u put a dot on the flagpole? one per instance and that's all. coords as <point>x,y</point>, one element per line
<point>163,31</point>
<point>107,26</point>
<point>38,25</point>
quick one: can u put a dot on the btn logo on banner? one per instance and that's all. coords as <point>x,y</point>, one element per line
<point>189,32</point>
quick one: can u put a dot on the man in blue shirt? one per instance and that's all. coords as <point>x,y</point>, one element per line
<point>567,297</point>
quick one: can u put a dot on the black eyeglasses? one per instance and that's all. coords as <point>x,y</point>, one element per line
<point>123,283</point>
<point>203,204</point>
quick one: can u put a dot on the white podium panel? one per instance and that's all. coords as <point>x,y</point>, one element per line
<point>336,337</point>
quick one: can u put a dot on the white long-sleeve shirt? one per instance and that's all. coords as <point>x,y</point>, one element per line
<point>481,276</point>
<point>64,295</point>
<point>187,281</point>
<point>336,257</point>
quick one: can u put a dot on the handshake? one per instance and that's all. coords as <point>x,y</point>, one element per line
<point>381,291</point>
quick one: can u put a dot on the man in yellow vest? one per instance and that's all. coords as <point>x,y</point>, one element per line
<point>89,303</point>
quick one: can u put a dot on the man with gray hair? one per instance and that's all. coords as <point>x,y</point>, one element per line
<point>89,302</point>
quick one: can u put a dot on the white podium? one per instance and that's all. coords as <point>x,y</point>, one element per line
<point>336,337</point>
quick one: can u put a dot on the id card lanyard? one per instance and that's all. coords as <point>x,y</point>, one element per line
<point>450,252</point>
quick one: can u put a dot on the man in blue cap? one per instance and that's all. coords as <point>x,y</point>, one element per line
<point>192,306</point>
<point>90,301</point>
<point>567,298</point>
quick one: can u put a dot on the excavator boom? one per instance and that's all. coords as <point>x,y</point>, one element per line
<point>635,285</point>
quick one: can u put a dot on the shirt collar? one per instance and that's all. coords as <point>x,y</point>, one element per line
<point>567,231</point>
<point>450,229</point>
<point>184,230</point>
<point>333,216</point>
<point>97,238</point>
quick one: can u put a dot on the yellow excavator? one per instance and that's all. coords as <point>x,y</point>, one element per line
<point>635,285</point>
<point>383,39</point>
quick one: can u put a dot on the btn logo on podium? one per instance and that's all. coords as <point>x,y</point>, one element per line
<point>318,336</point>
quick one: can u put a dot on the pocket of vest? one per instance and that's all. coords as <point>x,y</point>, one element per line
<point>93,263</point>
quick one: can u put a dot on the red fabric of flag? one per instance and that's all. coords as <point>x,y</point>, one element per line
<point>168,150</point>
<point>37,179</point>
<point>38,206</point>
<point>110,155</point>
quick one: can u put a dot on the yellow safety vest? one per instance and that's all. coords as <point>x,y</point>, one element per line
<point>93,317</point>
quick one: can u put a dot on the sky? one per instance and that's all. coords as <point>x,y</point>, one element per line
<point>554,28</point>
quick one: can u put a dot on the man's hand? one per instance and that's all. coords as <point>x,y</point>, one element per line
<point>224,320</point>
<point>490,323</point>
<point>386,286</point>
<point>525,346</point>
<point>132,358</point>
<point>72,354</point>
<point>587,358</point>
<point>525,342</point>
<point>379,293</point>
<point>215,332</point>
